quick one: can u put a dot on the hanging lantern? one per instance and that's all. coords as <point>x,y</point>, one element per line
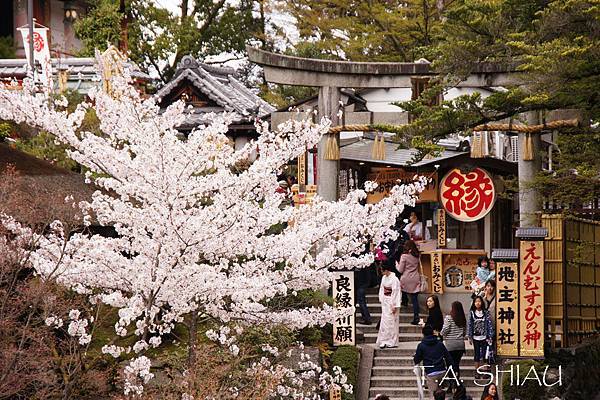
<point>332,150</point>
<point>528,148</point>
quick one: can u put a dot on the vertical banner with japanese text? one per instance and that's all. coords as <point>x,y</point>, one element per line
<point>437,280</point>
<point>302,169</point>
<point>531,315</point>
<point>507,309</point>
<point>41,52</point>
<point>441,237</point>
<point>343,297</point>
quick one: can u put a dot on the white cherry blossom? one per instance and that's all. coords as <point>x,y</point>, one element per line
<point>195,231</point>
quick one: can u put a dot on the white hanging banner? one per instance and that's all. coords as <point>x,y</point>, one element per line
<point>41,52</point>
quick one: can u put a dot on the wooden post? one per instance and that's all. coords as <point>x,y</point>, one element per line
<point>530,202</point>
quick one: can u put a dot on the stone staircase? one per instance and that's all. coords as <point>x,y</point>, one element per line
<point>392,370</point>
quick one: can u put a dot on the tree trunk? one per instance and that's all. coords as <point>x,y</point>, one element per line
<point>193,338</point>
<point>123,39</point>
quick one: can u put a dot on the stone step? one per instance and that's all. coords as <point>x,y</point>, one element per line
<point>467,371</point>
<point>411,393</point>
<point>376,317</point>
<point>404,327</point>
<point>392,361</point>
<point>407,381</point>
<point>410,351</point>
<point>403,337</point>
<point>407,359</point>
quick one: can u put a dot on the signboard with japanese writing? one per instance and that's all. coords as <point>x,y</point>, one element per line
<point>459,272</point>
<point>303,194</point>
<point>437,281</point>
<point>302,169</point>
<point>441,220</point>
<point>387,178</point>
<point>467,196</point>
<point>531,306</point>
<point>343,297</point>
<point>507,309</point>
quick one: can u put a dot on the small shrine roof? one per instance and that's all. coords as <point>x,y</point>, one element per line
<point>221,86</point>
<point>360,150</point>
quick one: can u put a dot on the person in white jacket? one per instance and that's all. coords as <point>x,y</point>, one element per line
<point>390,297</point>
<point>414,228</point>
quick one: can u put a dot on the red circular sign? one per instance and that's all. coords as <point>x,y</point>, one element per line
<point>467,196</point>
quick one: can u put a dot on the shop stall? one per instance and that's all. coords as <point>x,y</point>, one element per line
<point>463,213</point>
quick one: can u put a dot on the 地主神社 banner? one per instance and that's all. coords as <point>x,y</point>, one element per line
<point>507,309</point>
<point>531,298</point>
<point>343,297</point>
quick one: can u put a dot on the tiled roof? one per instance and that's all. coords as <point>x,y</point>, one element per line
<point>360,150</point>
<point>221,86</point>
<point>532,232</point>
<point>509,254</point>
<point>82,71</point>
<point>86,66</point>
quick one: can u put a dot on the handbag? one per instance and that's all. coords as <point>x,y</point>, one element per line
<point>424,282</point>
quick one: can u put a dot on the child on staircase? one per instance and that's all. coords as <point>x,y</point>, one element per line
<point>480,329</point>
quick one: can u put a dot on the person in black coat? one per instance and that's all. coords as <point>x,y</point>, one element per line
<point>434,355</point>
<point>364,280</point>
<point>435,318</point>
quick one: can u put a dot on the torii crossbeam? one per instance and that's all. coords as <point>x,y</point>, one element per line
<point>330,76</point>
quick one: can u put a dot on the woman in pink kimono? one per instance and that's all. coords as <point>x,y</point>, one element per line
<point>390,297</point>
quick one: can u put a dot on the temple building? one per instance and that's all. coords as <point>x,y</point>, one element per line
<point>211,89</point>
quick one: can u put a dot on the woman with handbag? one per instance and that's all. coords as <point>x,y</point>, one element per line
<point>410,281</point>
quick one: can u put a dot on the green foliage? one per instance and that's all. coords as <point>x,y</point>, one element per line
<point>7,47</point>
<point>576,180</point>
<point>555,45</point>
<point>6,129</point>
<point>100,27</point>
<point>530,390</point>
<point>202,28</point>
<point>347,358</point>
<point>278,336</point>
<point>370,30</point>
<point>44,146</point>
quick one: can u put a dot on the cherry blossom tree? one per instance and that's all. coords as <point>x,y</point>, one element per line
<point>200,229</point>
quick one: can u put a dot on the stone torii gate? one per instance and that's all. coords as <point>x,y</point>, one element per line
<point>331,76</point>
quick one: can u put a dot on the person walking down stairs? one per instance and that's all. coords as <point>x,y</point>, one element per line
<point>390,298</point>
<point>434,355</point>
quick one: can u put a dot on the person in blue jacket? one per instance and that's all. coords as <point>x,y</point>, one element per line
<point>435,357</point>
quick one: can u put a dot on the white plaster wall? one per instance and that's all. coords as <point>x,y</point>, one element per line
<point>380,100</point>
